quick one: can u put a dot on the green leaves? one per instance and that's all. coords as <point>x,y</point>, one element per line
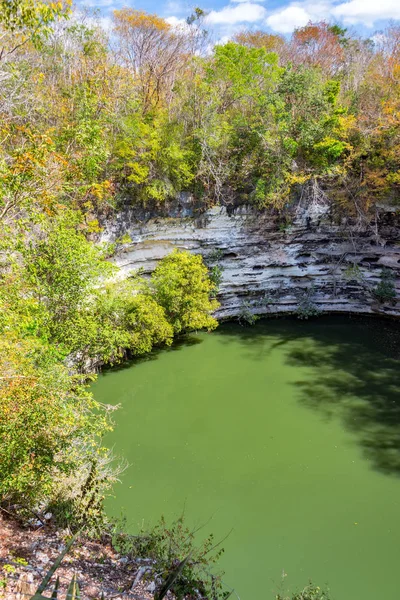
<point>62,269</point>
<point>29,20</point>
<point>183,288</point>
<point>48,427</point>
<point>151,154</point>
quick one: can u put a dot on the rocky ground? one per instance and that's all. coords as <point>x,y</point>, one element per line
<point>26,554</point>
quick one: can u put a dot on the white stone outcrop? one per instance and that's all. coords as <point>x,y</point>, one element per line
<point>268,266</point>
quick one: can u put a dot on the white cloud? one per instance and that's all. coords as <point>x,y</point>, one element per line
<point>296,13</point>
<point>175,22</point>
<point>243,12</point>
<point>286,20</point>
<point>223,40</point>
<point>367,11</point>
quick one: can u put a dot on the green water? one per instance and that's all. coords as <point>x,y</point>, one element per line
<point>288,434</point>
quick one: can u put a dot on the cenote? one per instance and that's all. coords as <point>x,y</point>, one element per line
<point>286,434</point>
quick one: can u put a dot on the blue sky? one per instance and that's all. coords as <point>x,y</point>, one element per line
<point>225,17</point>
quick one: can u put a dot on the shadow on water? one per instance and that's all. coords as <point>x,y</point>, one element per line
<point>178,344</point>
<point>352,371</point>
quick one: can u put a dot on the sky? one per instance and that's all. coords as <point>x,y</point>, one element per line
<point>226,17</point>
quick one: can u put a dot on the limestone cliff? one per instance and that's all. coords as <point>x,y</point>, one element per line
<point>268,266</point>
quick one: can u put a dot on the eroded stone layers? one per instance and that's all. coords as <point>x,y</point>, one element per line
<point>270,267</point>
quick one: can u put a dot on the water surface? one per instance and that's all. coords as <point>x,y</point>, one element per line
<point>288,434</point>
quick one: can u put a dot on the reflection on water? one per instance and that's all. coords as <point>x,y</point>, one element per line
<point>287,432</point>
<point>352,372</point>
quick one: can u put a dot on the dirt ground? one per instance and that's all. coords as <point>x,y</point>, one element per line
<point>26,554</point>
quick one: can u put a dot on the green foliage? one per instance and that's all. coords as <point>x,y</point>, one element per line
<point>170,546</point>
<point>311,592</point>
<point>87,134</point>
<point>215,274</point>
<point>385,291</point>
<point>30,19</point>
<point>124,319</point>
<point>153,158</point>
<point>56,302</point>
<point>48,427</point>
<point>306,307</point>
<point>309,117</point>
<point>246,315</point>
<point>353,272</point>
<point>62,269</point>
<point>181,285</point>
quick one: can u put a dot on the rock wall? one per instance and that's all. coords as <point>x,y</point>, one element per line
<point>268,267</point>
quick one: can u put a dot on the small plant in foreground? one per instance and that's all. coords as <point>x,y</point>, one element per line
<point>176,562</point>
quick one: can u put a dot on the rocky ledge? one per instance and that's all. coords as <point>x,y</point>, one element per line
<point>269,267</point>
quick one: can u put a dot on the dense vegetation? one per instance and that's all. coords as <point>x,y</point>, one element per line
<point>63,310</point>
<point>88,123</point>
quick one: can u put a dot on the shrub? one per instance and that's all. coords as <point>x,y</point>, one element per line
<point>48,427</point>
<point>306,307</point>
<point>173,558</point>
<point>181,285</point>
<point>246,315</point>
<point>123,320</point>
<point>215,275</point>
<point>385,291</point>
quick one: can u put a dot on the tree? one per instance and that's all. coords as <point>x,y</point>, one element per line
<point>181,285</point>
<point>260,39</point>
<point>63,270</point>
<point>50,426</point>
<point>319,44</point>
<point>23,21</point>
<point>123,321</point>
<point>153,50</point>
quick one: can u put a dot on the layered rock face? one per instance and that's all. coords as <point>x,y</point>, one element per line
<point>270,268</point>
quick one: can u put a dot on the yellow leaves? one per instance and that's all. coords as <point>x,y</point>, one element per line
<point>93,226</point>
<point>396,72</point>
<point>139,172</point>
<point>260,39</point>
<point>391,112</point>
<point>297,178</point>
<point>394,178</point>
<point>101,190</point>
<point>346,123</point>
<point>139,19</point>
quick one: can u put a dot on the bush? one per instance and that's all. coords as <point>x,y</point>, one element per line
<point>172,555</point>
<point>246,315</point>
<point>50,425</point>
<point>215,275</point>
<point>385,291</point>
<point>306,307</point>
<point>124,320</point>
<point>181,285</point>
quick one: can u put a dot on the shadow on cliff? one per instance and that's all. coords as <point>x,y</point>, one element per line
<point>350,369</point>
